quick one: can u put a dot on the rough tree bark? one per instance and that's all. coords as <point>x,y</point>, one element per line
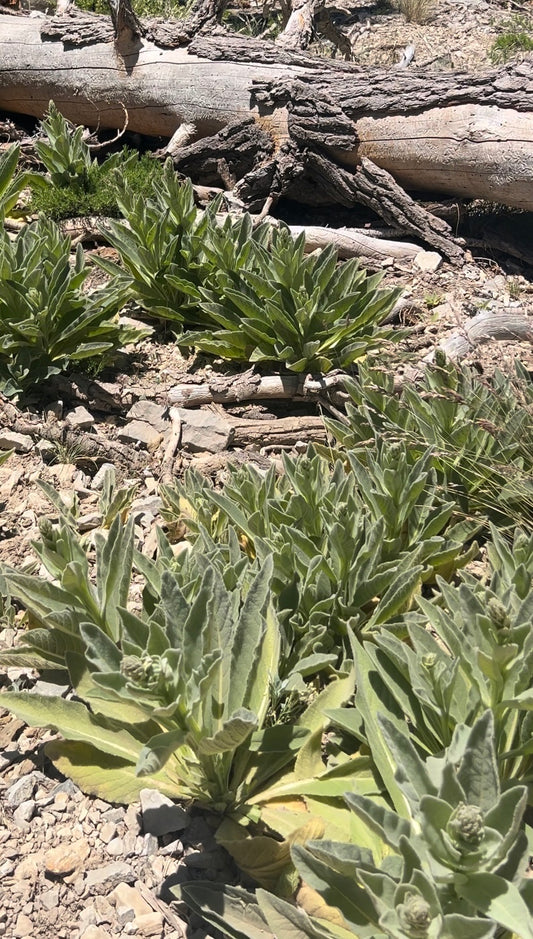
<point>267,121</point>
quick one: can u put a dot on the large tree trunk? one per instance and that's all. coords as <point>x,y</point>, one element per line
<point>305,124</point>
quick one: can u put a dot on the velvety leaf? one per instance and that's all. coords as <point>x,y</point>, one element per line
<point>232,734</point>
<point>478,773</point>
<point>259,856</point>
<point>103,775</point>
<point>233,910</point>
<point>158,750</point>
<point>497,898</point>
<point>387,824</point>
<point>74,722</point>
<point>289,922</point>
<point>369,706</point>
<point>336,890</point>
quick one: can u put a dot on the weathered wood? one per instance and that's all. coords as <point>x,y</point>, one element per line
<point>249,386</point>
<point>461,134</point>
<point>355,243</point>
<point>279,432</point>
<point>375,188</point>
<point>486,327</point>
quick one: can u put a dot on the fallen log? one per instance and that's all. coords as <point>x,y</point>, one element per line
<point>486,327</point>
<point>465,135</point>
<point>250,386</point>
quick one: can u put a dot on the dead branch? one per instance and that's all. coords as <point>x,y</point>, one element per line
<point>486,327</point>
<point>251,386</point>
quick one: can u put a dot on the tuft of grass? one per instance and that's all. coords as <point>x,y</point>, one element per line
<point>416,11</point>
<point>97,195</point>
<point>433,299</point>
<point>518,37</point>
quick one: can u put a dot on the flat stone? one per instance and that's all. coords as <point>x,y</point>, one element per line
<point>204,431</point>
<point>150,845</point>
<point>104,910</point>
<point>160,815</point>
<point>95,932</point>
<point>98,478</point>
<point>115,847</point>
<point>151,924</point>
<point>140,434</point>
<point>50,898</point>
<point>110,874</point>
<point>88,917</point>
<point>428,261</point>
<point>70,787</point>
<point>21,790</point>
<point>152,413</point>
<point>23,927</point>
<point>28,868</point>
<point>107,832</point>
<point>24,814</point>
<point>46,450</point>
<point>66,858</point>
<point>90,521</point>
<point>80,418</point>
<point>129,900</point>
<point>49,688</point>
<point>61,801</point>
<point>21,443</point>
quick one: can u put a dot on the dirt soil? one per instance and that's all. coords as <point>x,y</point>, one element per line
<point>72,865</point>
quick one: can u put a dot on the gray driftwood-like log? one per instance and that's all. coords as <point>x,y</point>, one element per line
<point>250,386</point>
<point>487,326</point>
<point>303,122</point>
<point>278,432</point>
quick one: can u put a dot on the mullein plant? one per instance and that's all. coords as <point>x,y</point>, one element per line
<point>453,861</point>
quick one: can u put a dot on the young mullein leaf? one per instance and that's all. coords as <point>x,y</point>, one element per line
<point>101,651</point>
<point>387,824</point>
<point>507,815</point>
<point>74,722</point>
<point>177,612</point>
<point>397,598</point>
<point>114,560</point>
<point>133,628</point>
<point>233,910</point>
<point>346,859</point>
<point>275,748</point>
<point>498,899</point>
<point>290,922</point>
<point>449,789</point>
<point>234,732</point>
<point>478,773</point>
<point>369,705</point>
<point>255,649</point>
<point>158,750</point>
<point>455,925</point>
<point>411,774</point>
<point>105,776</point>
<point>43,598</point>
<point>335,889</point>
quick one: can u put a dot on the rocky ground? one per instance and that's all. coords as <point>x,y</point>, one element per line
<point>74,866</point>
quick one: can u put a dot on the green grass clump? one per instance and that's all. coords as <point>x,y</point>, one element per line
<point>95,193</point>
<point>518,37</point>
